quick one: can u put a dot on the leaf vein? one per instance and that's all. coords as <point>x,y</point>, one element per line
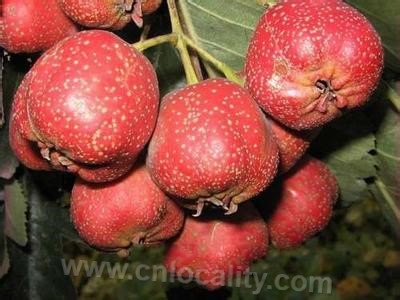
<point>219,16</point>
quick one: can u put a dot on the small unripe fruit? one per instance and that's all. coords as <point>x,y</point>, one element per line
<point>90,106</point>
<point>32,25</point>
<point>212,251</point>
<point>132,210</point>
<point>212,144</point>
<point>310,60</point>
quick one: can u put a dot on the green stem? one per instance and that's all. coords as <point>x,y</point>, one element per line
<point>219,65</point>
<point>166,38</point>
<point>180,44</point>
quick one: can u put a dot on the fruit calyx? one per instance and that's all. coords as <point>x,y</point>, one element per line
<point>56,158</point>
<point>225,200</point>
<point>326,95</point>
<point>135,9</point>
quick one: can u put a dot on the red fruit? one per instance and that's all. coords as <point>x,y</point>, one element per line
<point>212,251</point>
<point>212,144</point>
<point>309,60</point>
<point>90,106</point>
<point>25,150</point>
<point>32,25</point>
<point>292,144</point>
<point>133,210</point>
<point>112,14</point>
<point>304,204</point>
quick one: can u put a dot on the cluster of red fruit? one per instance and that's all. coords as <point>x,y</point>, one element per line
<point>90,105</point>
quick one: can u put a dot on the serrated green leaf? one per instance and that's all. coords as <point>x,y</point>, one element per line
<point>36,271</point>
<point>385,18</point>
<point>16,207</point>
<point>345,145</point>
<point>222,27</point>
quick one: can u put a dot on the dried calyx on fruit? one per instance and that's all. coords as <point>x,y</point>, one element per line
<point>310,60</point>
<point>212,144</point>
<point>88,106</point>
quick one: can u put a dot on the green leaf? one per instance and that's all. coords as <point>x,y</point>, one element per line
<point>222,27</point>
<point>388,163</point>
<point>15,213</point>
<point>385,18</point>
<point>345,145</point>
<point>165,60</point>
<point>36,271</point>
<point>4,258</point>
<point>388,152</point>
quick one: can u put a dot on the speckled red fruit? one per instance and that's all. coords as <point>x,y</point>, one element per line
<point>212,144</point>
<point>90,106</point>
<point>292,144</point>
<point>309,60</point>
<point>304,204</point>
<point>32,25</point>
<point>130,211</point>
<point>212,251</point>
<point>112,14</point>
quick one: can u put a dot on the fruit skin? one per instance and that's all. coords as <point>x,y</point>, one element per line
<point>92,104</point>
<point>304,203</point>
<point>26,151</point>
<point>108,14</point>
<point>132,210</point>
<point>112,14</point>
<point>32,25</point>
<point>292,144</point>
<point>309,60</point>
<point>224,246</point>
<point>212,144</point>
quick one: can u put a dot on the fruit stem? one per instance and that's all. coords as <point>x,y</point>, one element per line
<point>181,46</point>
<point>181,42</point>
<point>166,38</point>
<point>219,65</point>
